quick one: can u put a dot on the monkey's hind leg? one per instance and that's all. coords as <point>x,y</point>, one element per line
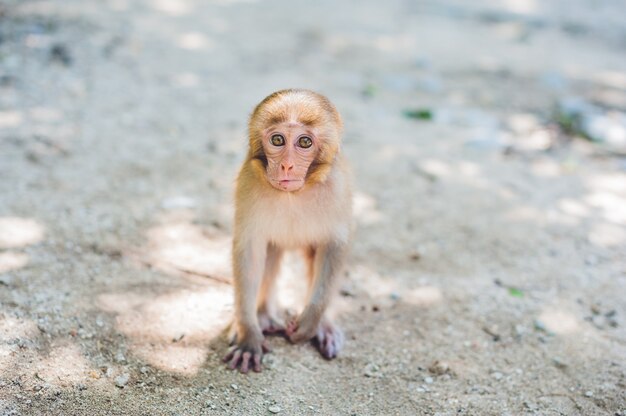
<point>266,305</point>
<point>315,324</point>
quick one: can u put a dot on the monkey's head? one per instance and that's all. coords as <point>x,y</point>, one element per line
<point>294,137</point>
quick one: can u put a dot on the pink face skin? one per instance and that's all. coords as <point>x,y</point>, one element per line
<point>288,157</point>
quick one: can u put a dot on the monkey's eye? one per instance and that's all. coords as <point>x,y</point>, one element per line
<point>305,142</point>
<point>278,140</point>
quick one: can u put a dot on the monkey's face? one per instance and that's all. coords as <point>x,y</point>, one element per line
<point>290,149</point>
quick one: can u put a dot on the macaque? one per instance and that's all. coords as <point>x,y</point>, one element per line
<point>293,193</point>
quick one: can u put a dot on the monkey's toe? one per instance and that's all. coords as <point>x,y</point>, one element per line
<point>329,340</point>
<point>270,325</point>
<point>298,332</point>
<point>245,357</point>
<point>291,328</point>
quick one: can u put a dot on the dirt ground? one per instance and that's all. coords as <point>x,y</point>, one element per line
<point>488,271</point>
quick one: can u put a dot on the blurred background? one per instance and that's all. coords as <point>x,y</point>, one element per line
<point>488,143</point>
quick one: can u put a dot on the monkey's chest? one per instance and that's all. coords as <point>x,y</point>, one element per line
<point>294,224</point>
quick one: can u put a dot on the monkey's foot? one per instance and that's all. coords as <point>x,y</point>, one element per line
<point>269,324</point>
<point>246,356</point>
<point>329,340</point>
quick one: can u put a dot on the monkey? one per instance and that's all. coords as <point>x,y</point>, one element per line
<point>293,192</point>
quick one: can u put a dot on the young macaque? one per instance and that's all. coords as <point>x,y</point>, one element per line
<point>293,192</point>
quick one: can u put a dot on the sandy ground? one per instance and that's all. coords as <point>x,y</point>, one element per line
<point>488,273</point>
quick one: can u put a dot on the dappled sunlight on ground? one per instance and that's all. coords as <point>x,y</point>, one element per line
<point>385,289</point>
<point>524,213</point>
<point>613,207</point>
<point>13,330</point>
<point>18,232</point>
<point>65,366</point>
<point>559,321</point>
<point>12,260</point>
<point>177,244</point>
<point>521,6</point>
<point>546,168</point>
<point>436,167</point>
<point>574,208</point>
<point>194,41</point>
<point>291,285</point>
<point>372,282</point>
<point>365,209</point>
<point>607,235</point>
<point>186,80</point>
<point>173,7</point>
<point>172,330</point>
<point>423,296</point>
<point>10,119</point>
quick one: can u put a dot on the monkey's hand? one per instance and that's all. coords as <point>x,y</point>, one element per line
<point>247,353</point>
<point>302,328</point>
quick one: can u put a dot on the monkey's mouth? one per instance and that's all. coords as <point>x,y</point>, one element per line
<point>288,185</point>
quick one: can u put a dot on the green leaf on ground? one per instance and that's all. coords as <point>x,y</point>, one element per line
<point>419,114</point>
<point>369,90</point>
<point>516,292</point>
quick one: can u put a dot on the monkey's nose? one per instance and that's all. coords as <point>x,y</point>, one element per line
<point>286,166</point>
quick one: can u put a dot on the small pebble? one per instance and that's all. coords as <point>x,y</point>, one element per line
<point>428,380</point>
<point>589,393</point>
<point>274,409</point>
<point>122,380</point>
<point>234,386</point>
<point>61,54</point>
<point>497,375</point>
<point>539,326</point>
<point>439,367</point>
<point>558,363</point>
<point>372,370</point>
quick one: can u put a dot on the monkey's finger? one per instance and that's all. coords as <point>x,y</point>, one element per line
<point>230,354</point>
<point>233,363</point>
<point>245,360</point>
<point>291,328</point>
<point>329,350</point>
<point>257,362</point>
<point>265,347</point>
